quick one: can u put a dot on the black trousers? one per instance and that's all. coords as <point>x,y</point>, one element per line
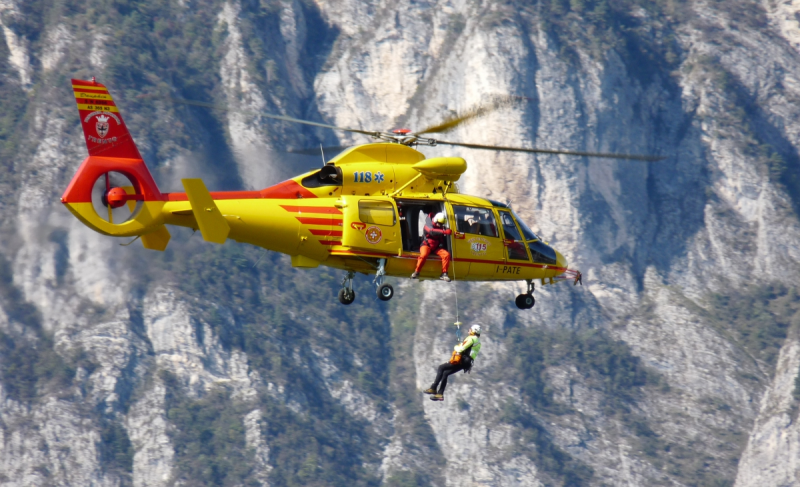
<point>445,370</point>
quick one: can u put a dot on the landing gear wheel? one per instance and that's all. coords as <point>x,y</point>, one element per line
<point>525,301</point>
<point>385,292</point>
<point>346,296</point>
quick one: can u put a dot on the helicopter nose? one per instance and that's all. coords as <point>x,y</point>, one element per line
<point>561,261</point>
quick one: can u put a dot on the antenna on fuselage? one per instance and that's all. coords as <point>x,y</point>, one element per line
<point>323,155</point>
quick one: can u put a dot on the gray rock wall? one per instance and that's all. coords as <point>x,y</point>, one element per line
<point>711,86</point>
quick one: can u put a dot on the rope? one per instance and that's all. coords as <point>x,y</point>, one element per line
<point>455,283</point>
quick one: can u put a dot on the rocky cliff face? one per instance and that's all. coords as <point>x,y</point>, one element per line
<point>676,363</point>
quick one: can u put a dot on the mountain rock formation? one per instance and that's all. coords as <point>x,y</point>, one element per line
<point>676,363</point>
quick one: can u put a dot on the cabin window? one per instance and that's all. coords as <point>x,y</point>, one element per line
<point>377,212</point>
<point>477,221</point>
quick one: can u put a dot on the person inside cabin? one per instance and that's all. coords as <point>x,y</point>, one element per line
<point>464,354</point>
<point>434,239</point>
<point>474,221</point>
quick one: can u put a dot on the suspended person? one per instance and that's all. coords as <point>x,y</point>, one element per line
<point>434,240</point>
<point>464,354</point>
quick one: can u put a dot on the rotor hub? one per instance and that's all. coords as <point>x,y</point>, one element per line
<point>116,197</point>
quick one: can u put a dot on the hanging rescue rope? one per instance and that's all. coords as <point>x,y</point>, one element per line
<point>455,282</point>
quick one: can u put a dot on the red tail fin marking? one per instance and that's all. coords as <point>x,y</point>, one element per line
<point>111,147</point>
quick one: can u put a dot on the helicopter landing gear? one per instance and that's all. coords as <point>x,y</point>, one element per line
<point>384,291</point>
<point>526,301</point>
<point>346,294</point>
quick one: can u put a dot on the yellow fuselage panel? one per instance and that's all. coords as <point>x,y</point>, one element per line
<point>382,169</point>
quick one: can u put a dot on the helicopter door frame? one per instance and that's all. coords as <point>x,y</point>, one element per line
<point>412,213</point>
<point>512,245</point>
<point>367,228</point>
<point>477,240</point>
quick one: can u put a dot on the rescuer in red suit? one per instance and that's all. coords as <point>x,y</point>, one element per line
<point>434,240</point>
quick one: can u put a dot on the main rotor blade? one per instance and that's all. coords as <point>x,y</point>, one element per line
<point>634,157</point>
<point>272,116</point>
<point>474,112</point>
<point>314,151</point>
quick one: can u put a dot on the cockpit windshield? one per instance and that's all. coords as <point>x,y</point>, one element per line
<point>526,232</point>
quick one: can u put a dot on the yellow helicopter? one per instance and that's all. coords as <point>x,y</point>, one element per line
<point>363,211</point>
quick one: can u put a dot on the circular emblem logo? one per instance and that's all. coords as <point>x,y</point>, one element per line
<point>373,235</point>
<point>478,246</point>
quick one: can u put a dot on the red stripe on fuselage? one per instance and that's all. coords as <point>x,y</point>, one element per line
<point>318,221</point>
<point>287,190</point>
<point>218,195</point>
<point>477,261</point>
<point>324,210</point>
<point>329,233</point>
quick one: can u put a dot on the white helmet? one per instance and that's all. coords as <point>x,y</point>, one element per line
<point>439,218</point>
<point>476,329</point>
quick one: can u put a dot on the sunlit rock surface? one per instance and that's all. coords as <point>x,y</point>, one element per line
<point>127,345</point>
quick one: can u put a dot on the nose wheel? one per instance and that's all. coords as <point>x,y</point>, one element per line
<point>526,301</point>
<point>347,295</point>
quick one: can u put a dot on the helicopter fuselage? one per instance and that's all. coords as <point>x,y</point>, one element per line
<point>363,211</point>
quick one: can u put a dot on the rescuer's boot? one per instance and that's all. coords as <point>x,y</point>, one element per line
<point>445,277</point>
<point>429,390</point>
<point>437,397</point>
<point>414,275</point>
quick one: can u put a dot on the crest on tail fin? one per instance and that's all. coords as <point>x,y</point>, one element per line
<point>101,125</point>
<point>103,128</point>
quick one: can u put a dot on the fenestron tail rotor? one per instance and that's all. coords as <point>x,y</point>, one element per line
<point>410,138</point>
<point>114,197</point>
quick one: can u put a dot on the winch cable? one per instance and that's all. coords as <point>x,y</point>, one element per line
<point>455,282</point>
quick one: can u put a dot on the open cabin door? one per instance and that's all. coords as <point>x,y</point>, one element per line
<point>371,224</point>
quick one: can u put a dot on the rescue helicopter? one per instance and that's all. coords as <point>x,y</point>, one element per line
<point>362,212</point>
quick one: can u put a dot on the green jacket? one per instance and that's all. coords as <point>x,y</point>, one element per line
<point>471,341</point>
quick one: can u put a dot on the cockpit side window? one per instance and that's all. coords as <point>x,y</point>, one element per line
<point>514,243</point>
<point>474,220</point>
<point>526,232</point>
<point>509,227</point>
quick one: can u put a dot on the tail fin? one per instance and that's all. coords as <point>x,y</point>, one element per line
<point>97,184</point>
<point>105,131</point>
